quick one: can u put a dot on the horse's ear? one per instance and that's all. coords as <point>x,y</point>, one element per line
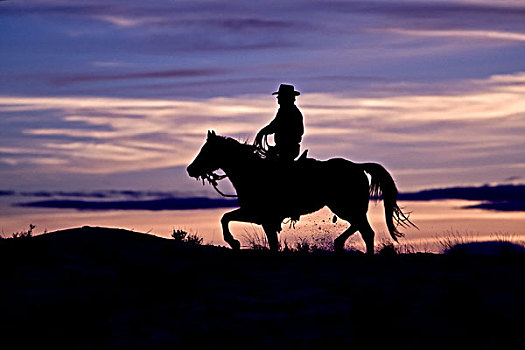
<point>211,133</point>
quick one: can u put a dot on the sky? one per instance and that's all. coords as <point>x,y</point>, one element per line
<point>119,95</point>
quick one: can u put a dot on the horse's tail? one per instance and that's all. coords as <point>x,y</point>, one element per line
<point>382,185</point>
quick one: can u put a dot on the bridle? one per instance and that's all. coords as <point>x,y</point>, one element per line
<point>213,178</point>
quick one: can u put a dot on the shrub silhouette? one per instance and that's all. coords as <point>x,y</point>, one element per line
<point>387,249</point>
<point>185,237</point>
<point>24,234</point>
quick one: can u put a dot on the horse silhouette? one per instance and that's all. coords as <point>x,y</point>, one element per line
<point>270,191</point>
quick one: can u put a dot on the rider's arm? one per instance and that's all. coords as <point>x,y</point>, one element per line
<point>273,126</point>
<point>260,135</point>
<point>267,130</point>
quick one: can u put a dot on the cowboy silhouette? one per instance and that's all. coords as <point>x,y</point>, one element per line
<point>287,127</point>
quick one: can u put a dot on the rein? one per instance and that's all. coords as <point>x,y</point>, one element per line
<point>212,179</point>
<point>263,148</point>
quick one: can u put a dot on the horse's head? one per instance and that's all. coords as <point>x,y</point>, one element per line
<point>207,161</point>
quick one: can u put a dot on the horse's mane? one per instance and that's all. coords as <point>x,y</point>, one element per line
<point>243,149</point>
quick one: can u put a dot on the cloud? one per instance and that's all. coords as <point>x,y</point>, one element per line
<point>472,133</point>
<point>111,87</point>
<point>245,23</point>
<point>513,178</point>
<point>426,9</point>
<point>166,74</point>
<point>142,49</point>
<point>103,194</point>
<point>496,193</point>
<point>116,132</point>
<point>465,34</point>
<point>500,206</point>
<point>155,205</point>
<point>498,197</point>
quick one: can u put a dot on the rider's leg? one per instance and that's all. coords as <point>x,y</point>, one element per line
<point>288,152</point>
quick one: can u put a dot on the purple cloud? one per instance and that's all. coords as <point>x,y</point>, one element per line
<point>174,73</point>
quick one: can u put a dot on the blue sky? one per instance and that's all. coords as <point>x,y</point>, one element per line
<point>119,94</point>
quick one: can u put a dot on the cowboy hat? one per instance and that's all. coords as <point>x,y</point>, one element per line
<point>285,89</point>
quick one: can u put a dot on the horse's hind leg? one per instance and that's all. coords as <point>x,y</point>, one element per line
<point>271,234</point>
<point>368,235</point>
<point>360,224</point>
<point>346,213</point>
<point>339,242</point>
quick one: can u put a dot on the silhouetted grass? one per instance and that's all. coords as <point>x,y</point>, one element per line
<point>254,238</point>
<point>302,245</point>
<point>507,237</point>
<point>455,242</point>
<point>450,238</point>
<point>388,248</point>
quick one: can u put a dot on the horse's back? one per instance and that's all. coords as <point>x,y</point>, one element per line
<point>348,172</point>
<point>336,168</point>
<point>332,176</point>
<point>287,190</point>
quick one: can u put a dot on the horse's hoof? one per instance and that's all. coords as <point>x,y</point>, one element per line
<point>339,247</point>
<point>235,244</point>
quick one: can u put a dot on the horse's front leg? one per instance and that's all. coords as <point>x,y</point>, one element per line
<point>240,215</point>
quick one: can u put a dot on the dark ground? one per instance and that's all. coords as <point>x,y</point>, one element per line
<point>100,288</point>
